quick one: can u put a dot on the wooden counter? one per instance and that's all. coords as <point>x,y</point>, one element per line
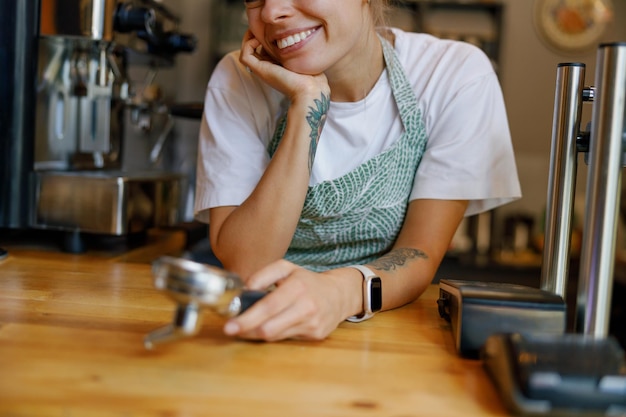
<point>71,332</point>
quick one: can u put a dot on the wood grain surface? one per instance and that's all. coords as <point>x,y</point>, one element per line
<point>71,332</point>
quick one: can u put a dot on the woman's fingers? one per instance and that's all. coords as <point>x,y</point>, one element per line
<point>249,45</point>
<point>270,317</point>
<point>293,309</point>
<point>289,323</point>
<point>271,274</point>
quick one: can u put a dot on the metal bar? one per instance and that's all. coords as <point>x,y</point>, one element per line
<point>18,66</point>
<point>603,188</point>
<point>562,178</point>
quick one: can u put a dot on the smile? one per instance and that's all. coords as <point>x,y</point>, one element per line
<point>294,39</point>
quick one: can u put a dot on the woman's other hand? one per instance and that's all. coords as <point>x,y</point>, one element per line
<point>304,304</point>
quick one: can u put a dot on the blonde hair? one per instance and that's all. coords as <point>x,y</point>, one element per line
<point>379,10</point>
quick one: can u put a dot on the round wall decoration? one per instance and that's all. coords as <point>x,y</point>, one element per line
<point>572,25</point>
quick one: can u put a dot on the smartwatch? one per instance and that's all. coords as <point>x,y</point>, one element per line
<point>372,294</point>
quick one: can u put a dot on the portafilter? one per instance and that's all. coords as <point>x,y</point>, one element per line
<point>193,286</point>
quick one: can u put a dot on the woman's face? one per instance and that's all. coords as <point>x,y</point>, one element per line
<point>309,36</point>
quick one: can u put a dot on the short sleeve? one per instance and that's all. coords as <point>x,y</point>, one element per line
<point>232,145</point>
<point>469,154</point>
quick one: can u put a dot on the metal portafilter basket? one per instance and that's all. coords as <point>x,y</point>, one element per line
<point>193,286</point>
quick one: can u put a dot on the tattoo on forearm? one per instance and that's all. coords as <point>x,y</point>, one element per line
<point>316,119</point>
<point>396,258</point>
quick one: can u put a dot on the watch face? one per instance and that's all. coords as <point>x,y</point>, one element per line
<point>572,25</point>
<point>376,293</point>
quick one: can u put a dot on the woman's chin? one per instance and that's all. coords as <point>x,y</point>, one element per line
<point>302,68</point>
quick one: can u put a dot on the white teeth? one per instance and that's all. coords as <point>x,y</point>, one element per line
<point>293,39</point>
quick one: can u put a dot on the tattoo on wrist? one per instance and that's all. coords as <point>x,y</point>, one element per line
<point>397,258</point>
<point>316,119</point>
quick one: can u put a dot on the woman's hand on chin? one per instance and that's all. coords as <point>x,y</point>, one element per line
<point>290,83</point>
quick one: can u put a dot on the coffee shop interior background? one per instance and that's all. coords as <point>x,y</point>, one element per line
<point>508,30</point>
<point>525,61</point>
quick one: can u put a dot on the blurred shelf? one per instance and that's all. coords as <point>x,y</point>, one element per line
<point>475,22</point>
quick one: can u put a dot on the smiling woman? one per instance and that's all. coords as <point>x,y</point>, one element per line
<point>337,158</point>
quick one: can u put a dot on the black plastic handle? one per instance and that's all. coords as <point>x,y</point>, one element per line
<point>248,298</point>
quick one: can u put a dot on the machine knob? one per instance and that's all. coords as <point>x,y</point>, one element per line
<point>129,18</point>
<point>178,42</point>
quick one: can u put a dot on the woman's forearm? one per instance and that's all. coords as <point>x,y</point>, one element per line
<point>406,273</point>
<point>408,269</point>
<point>259,231</point>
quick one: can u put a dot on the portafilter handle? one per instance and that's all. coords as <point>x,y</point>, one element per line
<point>186,323</point>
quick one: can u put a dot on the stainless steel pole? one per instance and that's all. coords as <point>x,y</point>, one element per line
<point>603,188</point>
<point>568,101</point>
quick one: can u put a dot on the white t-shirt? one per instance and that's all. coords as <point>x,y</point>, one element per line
<point>468,156</point>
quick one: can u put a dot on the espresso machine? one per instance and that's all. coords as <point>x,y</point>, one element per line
<point>82,146</point>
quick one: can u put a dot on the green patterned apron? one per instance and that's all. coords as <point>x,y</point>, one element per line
<point>357,217</point>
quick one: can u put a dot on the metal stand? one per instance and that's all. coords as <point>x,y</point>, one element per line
<point>562,177</point>
<point>605,144</point>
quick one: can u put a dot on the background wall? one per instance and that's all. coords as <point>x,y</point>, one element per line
<point>527,71</point>
<point>528,77</point>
